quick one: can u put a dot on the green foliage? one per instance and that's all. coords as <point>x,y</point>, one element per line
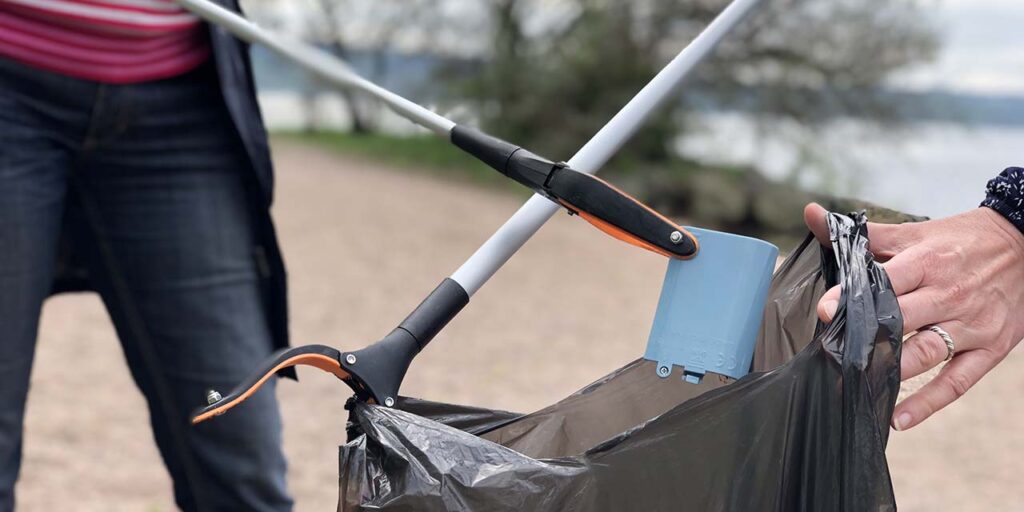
<point>550,89</point>
<point>551,93</point>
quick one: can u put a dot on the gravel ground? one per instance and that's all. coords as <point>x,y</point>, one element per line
<point>364,244</point>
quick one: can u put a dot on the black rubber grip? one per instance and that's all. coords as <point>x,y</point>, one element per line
<point>435,311</point>
<point>490,150</point>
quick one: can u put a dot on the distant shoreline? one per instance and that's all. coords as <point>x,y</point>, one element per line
<point>414,76</point>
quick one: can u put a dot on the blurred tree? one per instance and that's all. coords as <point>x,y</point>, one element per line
<point>551,84</point>
<point>551,88</point>
<point>327,25</point>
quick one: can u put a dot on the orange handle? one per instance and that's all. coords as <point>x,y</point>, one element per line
<point>619,233</point>
<point>621,215</point>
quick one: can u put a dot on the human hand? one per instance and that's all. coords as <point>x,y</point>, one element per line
<point>964,274</point>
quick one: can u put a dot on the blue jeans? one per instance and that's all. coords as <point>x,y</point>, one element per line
<point>147,182</point>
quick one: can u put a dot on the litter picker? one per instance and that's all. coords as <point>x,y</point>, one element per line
<point>376,371</point>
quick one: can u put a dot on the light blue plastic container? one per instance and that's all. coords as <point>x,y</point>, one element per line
<point>711,307</point>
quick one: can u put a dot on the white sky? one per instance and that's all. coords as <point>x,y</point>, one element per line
<point>983,48</point>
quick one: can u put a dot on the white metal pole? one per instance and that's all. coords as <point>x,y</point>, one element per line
<point>317,61</point>
<point>537,210</point>
<point>596,152</point>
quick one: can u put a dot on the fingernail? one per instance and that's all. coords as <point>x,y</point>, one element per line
<point>830,308</point>
<point>902,421</point>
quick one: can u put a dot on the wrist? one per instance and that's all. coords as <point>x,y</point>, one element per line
<point>1005,229</point>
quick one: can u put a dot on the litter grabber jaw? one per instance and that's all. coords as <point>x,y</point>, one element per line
<point>593,199</point>
<point>318,356</point>
<point>374,372</point>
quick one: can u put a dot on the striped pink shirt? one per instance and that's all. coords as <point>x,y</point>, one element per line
<point>112,41</point>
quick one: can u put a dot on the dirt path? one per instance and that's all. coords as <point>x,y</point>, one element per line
<point>363,245</point>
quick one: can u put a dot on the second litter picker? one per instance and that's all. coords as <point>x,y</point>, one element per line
<point>376,372</point>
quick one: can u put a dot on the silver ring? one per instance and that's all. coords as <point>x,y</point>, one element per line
<point>950,347</point>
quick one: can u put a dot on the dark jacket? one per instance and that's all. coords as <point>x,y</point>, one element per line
<point>231,57</point>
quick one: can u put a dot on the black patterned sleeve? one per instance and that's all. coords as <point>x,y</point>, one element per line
<point>1005,194</point>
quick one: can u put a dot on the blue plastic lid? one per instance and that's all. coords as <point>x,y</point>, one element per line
<point>711,307</point>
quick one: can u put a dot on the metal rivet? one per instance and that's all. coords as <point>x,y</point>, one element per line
<point>350,359</point>
<point>212,397</point>
<point>676,237</point>
<point>663,371</point>
<point>390,402</point>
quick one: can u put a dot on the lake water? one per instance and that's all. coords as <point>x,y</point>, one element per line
<point>931,169</point>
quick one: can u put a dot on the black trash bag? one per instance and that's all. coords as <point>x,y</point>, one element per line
<point>806,431</point>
